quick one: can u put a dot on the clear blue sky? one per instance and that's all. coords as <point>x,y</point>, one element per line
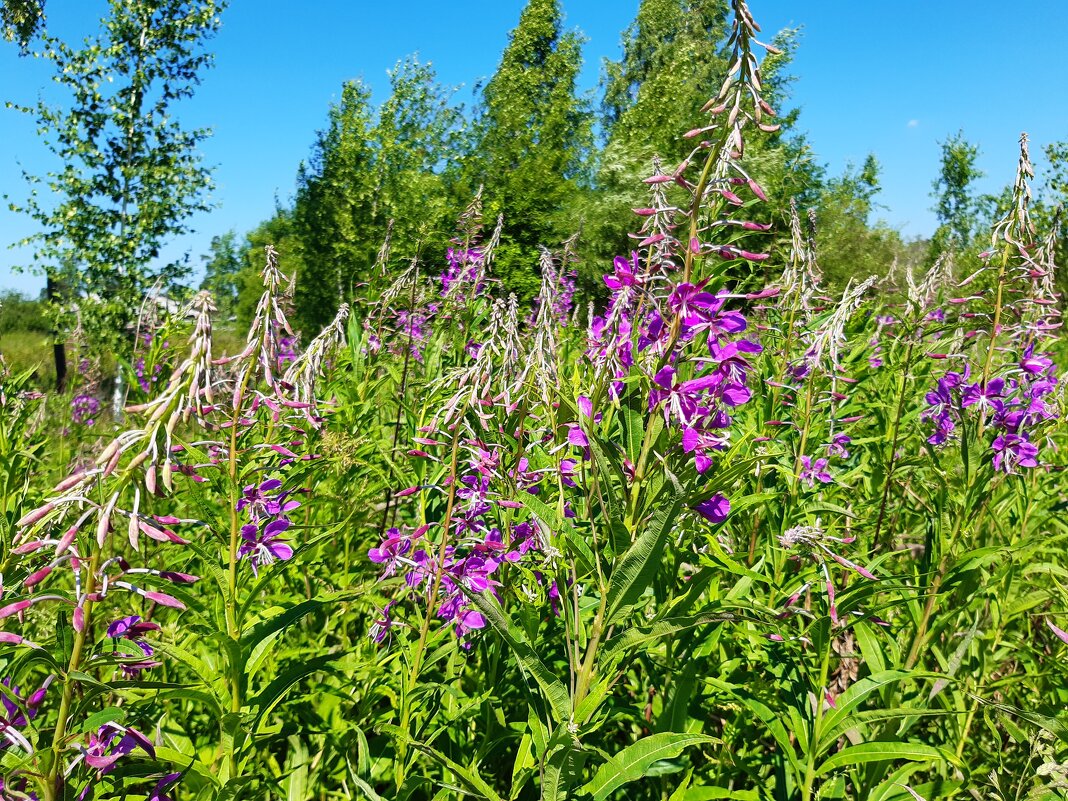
<point>889,77</point>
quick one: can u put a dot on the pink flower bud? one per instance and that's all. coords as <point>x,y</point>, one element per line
<point>36,577</point>
<point>644,212</point>
<point>730,197</point>
<point>770,292</point>
<point>163,599</point>
<point>66,540</point>
<point>179,578</point>
<point>404,493</point>
<point>9,638</point>
<point>79,619</point>
<point>756,189</point>
<point>658,179</point>
<point>750,256</point>
<point>35,516</point>
<point>28,547</point>
<point>70,481</point>
<point>15,608</point>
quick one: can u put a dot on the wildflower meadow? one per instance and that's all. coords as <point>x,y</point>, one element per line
<point>713,528</point>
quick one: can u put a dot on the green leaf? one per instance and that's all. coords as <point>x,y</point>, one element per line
<point>880,752</point>
<point>853,697</point>
<point>272,694</point>
<point>635,570</point>
<point>563,770</point>
<point>260,637</point>
<point>528,659</point>
<point>634,761</point>
<point>471,779</point>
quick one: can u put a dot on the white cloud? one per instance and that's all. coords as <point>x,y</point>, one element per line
<point>913,123</point>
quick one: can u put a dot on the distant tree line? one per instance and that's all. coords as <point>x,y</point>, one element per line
<point>547,158</point>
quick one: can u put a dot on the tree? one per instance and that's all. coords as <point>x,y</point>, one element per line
<point>849,246</point>
<point>131,175</point>
<point>673,61</point>
<point>222,268</point>
<point>531,142</point>
<point>335,193</point>
<point>414,137</point>
<point>955,202</point>
<point>21,20</point>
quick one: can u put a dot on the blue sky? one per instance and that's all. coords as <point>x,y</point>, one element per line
<point>891,78</point>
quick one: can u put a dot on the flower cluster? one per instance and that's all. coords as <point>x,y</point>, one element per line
<point>146,380</point>
<point>84,409</point>
<point>267,510</point>
<point>1013,406</point>
<point>464,267</point>
<point>447,575</point>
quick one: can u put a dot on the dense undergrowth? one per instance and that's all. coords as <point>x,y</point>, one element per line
<point>717,539</point>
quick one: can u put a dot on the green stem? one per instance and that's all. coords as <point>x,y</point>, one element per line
<point>892,458</point>
<point>814,738</point>
<point>54,774</point>
<point>420,647</point>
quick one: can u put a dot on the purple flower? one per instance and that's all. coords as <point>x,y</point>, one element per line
<point>157,793</point>
<point>988,396</point>
<point>837,446</point>
<point>381,627</point>
<point>1034,365</point>
<point>83,409</point>
<point>626,273</point>
<point>262,504</point>
<point>111,743</point>
<point>813,471</point>
<point>264,547</point>
<point>715,509</point>
<point>699,442</point>
<point>389,553</point>
<point>1012,451</point>
<point>18,712</point>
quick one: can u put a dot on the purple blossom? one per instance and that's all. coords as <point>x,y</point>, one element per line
<point>381,627</point>
<point>813,471</point>
<point>1012,451</point>
<point>18,712</point>
<point>715,509</point>
<point>83,409</point>
<point>263,547</point>
<point>837,447</point>
<point>157,793</point>
<point>700,442</point>
<point>111,742</point>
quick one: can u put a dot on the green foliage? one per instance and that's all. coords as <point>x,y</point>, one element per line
<point>849,246</point>
<point>19,313</point>
<point>715,546</point>
<point>131,174</point>
<point>21,20</point>
<point>531,140</point>
<point>955,203</point>
<point>222,270</point>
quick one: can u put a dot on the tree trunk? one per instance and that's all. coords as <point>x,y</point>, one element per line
<point>59,349</point>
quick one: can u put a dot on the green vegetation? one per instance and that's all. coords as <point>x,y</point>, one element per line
<point>756,527</point>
